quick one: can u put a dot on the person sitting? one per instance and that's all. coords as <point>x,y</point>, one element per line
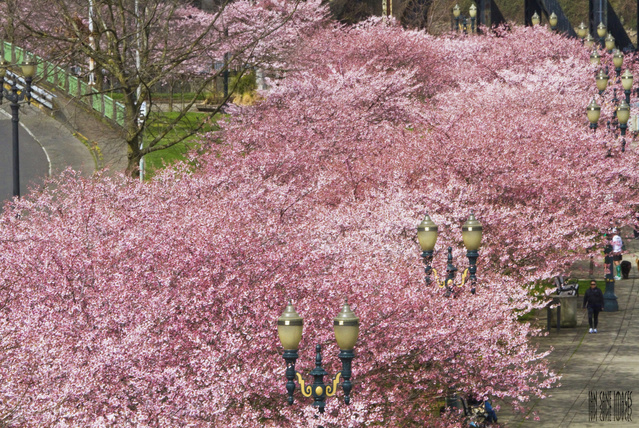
<point>490,412</point>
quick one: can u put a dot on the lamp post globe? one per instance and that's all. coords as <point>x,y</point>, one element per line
<point>595,58</point>
<point>346,328</point>
<point>610,43</point>
<point>472,11</point>
<point>582,30</point>
<point>552,20</point>
<point>601,30</point>
<point>29,68</point>
<point>617,60</point>
<point>593,112</point>
<point>602,81</point>
<point>589,41</point>
<point>456,11</point>
<point>472,232</point>
<point>289,328</point>
<point>535,19</point>
<point>623,115</point>
<point>626,82</point>
<point>427,234</point>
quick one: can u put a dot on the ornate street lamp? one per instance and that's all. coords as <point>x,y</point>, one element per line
<point>602,81</point>
<point>427,236</point>
<point>601,32</point>
<point>623,115</point>
<point>346,329</point>
<point>473,13</point>
<point>535,19</point>
<point>595,58</point>
<point>456,13</point>
<point>471,233</point>
<point>582,30</point>
<point>589,41</point>
<point>610,43</point>
<point>14,97</point>
<point>626,82</point>
<point>617,60</point>
<point>593,111</point>
<point>552,20</point>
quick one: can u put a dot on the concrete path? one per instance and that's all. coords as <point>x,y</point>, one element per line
<point>598,370</point>
<point>57,145</point>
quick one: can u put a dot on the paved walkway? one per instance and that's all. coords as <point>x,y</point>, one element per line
<point>593,365</point>
<point>105,139</point>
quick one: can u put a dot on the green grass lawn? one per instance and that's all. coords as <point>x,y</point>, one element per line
<point>158,122</point>
<point>540,287</point>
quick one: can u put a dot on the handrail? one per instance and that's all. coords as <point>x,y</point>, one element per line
<point>69,84</point>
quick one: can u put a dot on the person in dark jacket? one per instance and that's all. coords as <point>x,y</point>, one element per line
<point>594,302</point>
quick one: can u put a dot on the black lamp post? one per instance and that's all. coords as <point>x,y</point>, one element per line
<point>471,233</point>
<point>593,111</point>
<point>473,13</point>
<point>456,13</point>
<point>626,82</point>
<point>346,328</point>
<point>14,97</point>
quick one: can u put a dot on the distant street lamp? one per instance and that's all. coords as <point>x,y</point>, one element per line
<point>589,41</point>
<point>601,32</point>
<point>473,13</point>
<point>626,82</point>
<point>472,230</point>
<point>535,19</point>
<point>610,43</point>
<point>595,58</point>
<point>617,60</point>
<point>346,328</point>
<point>582,31</point>
<point>456,13</point>
<point>552,20</point>
<point>14,97</point>
<point>602,81</point>
<point>623,115</point>
<point>593,111</point>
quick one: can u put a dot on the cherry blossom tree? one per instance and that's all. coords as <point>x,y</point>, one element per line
<point>154,304</point>
<point>142,43</point>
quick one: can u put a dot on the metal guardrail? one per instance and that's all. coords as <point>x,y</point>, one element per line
<point>73,86</point>
<point>42,96</point>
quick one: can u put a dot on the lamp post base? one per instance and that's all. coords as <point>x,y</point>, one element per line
<point>610,299</point>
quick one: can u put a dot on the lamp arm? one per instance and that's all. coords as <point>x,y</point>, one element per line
<point>464,277</point>
<point>307,391</point>
<point>441,284</point>
<point>332,389</point>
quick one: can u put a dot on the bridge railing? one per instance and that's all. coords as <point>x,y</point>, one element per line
<point>63,80</point>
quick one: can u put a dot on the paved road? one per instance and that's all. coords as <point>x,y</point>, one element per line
<point>34,165</point>
<point>47,148</point>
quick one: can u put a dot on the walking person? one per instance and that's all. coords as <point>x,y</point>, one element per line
<point>617,249</point>
<point>594,302</point>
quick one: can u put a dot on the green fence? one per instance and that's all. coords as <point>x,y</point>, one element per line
<point>71,85</point>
